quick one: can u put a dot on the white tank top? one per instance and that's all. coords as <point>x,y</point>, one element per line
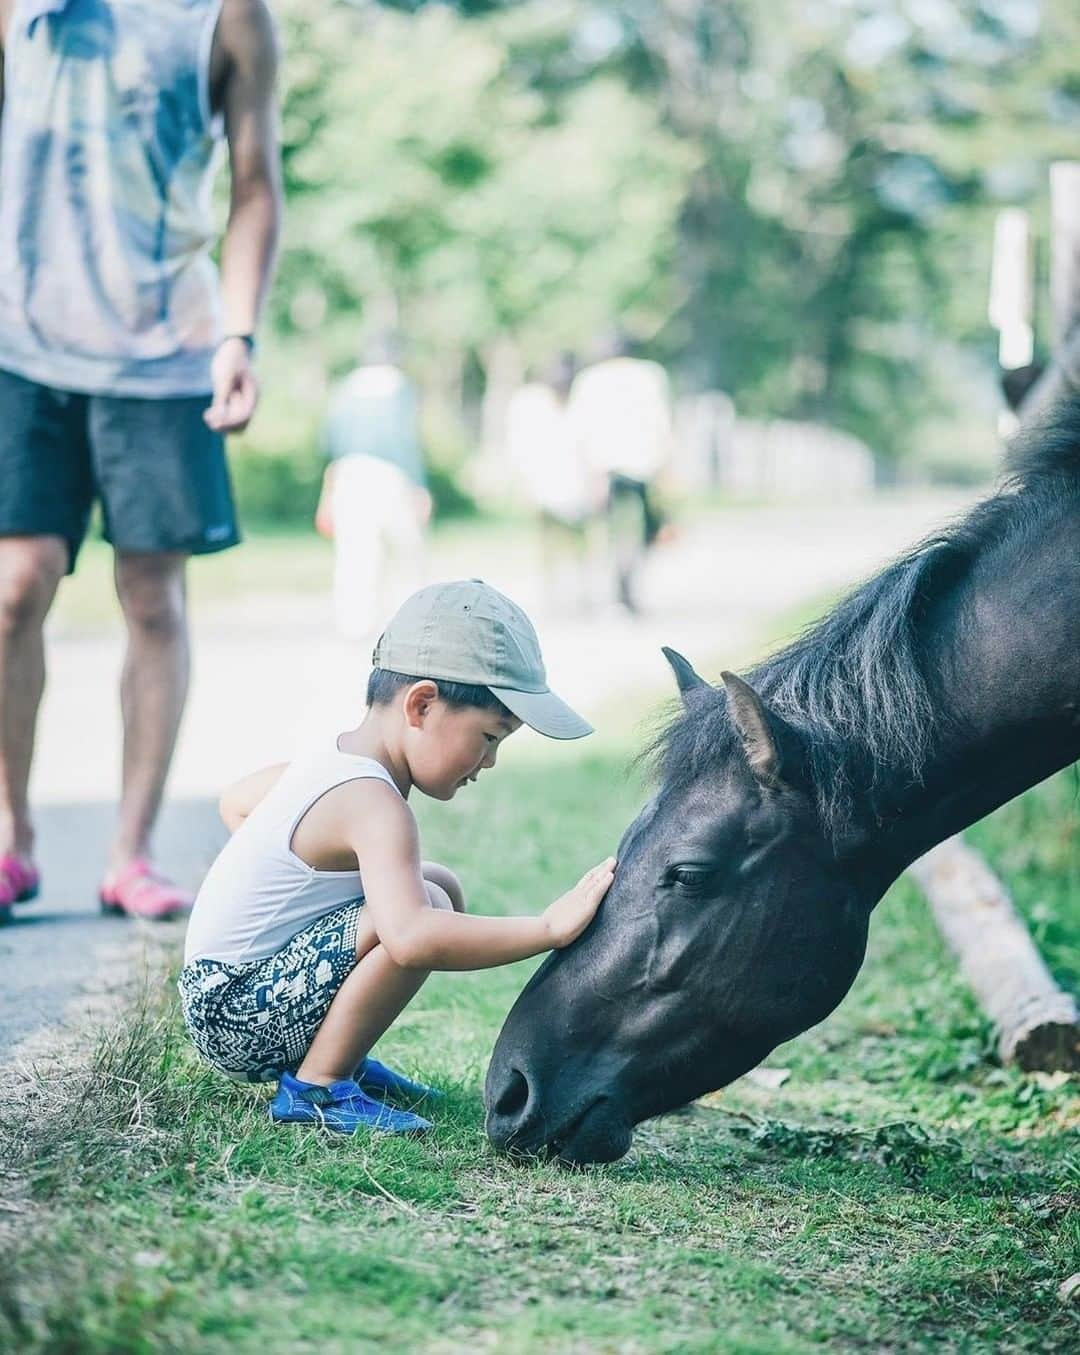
<point>259,893</point>
<point>109,148</point>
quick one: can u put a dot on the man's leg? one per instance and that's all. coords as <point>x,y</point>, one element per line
<point>365,1006</point>
<point>627,531</point>
<point>30,569</point>
<point>404,543</point>
<point>153,688</point>
<point>358,546</point>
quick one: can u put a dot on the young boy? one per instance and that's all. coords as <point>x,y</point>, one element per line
<point>319,921</point>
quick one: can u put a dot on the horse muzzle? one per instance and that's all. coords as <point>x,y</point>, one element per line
<point>572,1124</point>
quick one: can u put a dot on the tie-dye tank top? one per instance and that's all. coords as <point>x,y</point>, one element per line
<point>107,155</point>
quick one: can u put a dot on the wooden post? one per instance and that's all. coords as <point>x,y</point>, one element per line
<point>1011,306</point>
<point>1038,1025</point>
<point>1062,377</point>
<point>1064,250</point>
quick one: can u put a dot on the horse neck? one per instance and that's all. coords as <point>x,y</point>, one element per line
<point>1002,647</point>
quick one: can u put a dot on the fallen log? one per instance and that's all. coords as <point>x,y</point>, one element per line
<point>1037,1023</point>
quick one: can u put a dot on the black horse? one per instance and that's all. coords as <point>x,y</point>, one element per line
<point>790,802</point>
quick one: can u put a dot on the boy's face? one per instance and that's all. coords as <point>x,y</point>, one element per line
<point>449,747</point>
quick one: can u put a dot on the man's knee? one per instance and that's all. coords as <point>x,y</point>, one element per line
<point>438,897</point>
<point>151,592</point>
<point>30,569</point>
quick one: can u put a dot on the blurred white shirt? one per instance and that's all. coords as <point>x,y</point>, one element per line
<point>620,417</point>
<point>542,450</point>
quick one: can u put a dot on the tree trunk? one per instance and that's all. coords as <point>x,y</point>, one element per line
<point>443,406</point>
<point>503,372</point>
<point>1038,1025</point>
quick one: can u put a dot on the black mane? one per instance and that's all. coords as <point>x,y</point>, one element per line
<point>854,684</point>
<point>1048,447</point>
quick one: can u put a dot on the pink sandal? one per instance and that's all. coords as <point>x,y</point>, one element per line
<point>139,891</point>
<point>19,879</point>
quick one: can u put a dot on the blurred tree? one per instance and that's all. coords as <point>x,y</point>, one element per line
<point>789,201</point>
<point>835,234</point>
<point>432,190</point>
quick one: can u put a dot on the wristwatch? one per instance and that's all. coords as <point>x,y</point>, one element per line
<point>248,339</point>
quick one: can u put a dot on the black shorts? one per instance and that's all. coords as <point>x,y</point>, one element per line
<point>158,470</point>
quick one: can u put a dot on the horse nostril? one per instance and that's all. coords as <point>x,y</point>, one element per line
<point>514,1096</point>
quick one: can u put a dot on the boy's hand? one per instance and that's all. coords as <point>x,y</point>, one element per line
<point>568,917</point>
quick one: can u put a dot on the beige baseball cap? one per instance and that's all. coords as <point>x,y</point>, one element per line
<point>467,631</point>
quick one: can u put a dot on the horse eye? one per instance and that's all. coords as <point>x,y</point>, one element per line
<point>691,878</point>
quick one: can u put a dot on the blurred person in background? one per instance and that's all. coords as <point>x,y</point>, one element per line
<point>555,482</point>
<point>124,358</point>
<point>374,504</point>
<point>620,417</point>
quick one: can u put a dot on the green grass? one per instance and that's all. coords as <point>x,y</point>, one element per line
<point>899,1192</point>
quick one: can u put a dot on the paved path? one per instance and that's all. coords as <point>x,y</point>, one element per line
<point>270,676</point>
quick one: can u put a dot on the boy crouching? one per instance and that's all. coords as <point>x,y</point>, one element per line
<point>319,921</point>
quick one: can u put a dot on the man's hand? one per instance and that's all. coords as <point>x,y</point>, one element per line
<point>236,391</point>
<point>568,917</point>
<point>244,60</point>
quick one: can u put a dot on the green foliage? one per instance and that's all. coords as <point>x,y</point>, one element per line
<point>835,240</point>
<point>281,489</point>
<point>449,500</point>
<point>431,188</point>
<point>276,489</point>
<point>792,202</point>
<point>460,206</point>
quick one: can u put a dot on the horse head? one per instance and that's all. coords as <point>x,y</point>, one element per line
<point>733,923</point>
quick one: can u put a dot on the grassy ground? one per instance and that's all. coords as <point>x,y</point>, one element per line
<point>899,1192</point>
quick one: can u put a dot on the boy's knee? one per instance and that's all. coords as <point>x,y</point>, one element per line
<point>438,897</point>
<point>447,881</point>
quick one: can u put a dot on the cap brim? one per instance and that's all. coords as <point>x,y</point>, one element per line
<point>545,712</point>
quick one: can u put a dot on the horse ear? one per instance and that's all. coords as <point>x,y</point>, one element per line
<point>689,681</point>
<point>762,734</point>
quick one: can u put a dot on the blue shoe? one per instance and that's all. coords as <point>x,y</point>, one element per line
<point>342,1107</point>
<point>378,1080</point>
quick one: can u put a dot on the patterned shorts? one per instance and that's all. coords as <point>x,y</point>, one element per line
<point>253,1021</point>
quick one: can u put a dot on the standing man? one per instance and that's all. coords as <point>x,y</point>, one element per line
<point>541,445</point>
<point>123,358</point>
<point>620,415</point>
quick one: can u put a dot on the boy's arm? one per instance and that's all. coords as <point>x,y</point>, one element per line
<point>242,796</point>
<point>382,832</point>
